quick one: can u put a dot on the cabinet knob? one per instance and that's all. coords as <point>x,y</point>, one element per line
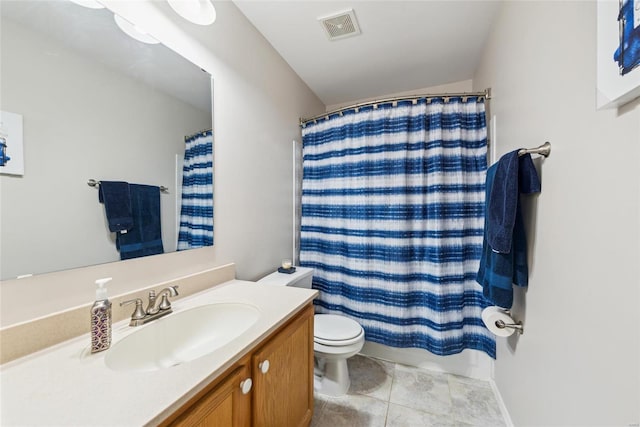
<point>246,385</point>
<point>264,366</point>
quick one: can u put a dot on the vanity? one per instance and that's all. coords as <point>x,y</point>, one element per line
<point>271,386</point>
<point>262,376</point>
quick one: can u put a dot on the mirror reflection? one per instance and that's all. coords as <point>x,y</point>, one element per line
<point>96,104</point>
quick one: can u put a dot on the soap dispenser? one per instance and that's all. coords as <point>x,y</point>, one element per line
<point>101,318</point>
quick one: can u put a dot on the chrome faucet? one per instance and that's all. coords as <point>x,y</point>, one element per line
<point>153,311</point>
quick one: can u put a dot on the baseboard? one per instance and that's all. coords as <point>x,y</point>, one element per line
<point>469,363</point>
<point>503,408</point>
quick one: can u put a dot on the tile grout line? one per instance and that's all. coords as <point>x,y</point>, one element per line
<point>452,414</point>
<point>393,379</point>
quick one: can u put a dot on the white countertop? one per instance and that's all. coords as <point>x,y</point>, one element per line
<point>67,385</point>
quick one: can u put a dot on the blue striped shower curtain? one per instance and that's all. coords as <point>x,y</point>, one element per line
<point>392,221</point>
<point>196,212</point>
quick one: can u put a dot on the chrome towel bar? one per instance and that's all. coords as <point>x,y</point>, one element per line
<point>543,150</point>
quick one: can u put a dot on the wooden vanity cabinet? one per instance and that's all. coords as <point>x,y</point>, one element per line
<point>281,370</point>
<point>283,376</point>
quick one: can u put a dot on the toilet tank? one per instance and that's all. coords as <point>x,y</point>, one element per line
<point>300,279</point>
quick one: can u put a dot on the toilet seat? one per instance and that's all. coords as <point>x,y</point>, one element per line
<point>336,331</point>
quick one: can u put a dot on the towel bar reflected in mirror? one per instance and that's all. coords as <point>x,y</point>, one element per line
<point>94,183</point>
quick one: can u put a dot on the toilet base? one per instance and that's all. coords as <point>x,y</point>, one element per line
<point>332,377</point>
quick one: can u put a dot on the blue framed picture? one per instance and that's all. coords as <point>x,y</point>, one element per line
<point>11,148</point>
<point>618,49</point>
<point>4,157</point>
<point>627,55</point>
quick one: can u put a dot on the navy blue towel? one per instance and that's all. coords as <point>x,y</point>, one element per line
<point>499,271</point>
<point>513,175</point>
<point>117,204</point>
<point>145,238</point>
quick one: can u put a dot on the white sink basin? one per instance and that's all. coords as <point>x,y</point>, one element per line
<point>181,337</point>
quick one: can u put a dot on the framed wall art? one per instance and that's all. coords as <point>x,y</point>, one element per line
<point>618,52</point>
<point>11,149</point>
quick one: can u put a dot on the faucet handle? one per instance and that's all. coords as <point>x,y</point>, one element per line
<point>138,313</point>
<point>164,302</point>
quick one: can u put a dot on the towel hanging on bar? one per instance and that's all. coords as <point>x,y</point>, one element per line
<point>116,198</point>
<point>504,248</point>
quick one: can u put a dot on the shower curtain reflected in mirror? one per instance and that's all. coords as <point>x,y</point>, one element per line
<point>392,221</point>
<point>196,212</point>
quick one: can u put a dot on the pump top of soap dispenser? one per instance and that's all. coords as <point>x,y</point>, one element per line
<point>101,292</point>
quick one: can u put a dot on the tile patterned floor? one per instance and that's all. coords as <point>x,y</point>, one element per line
<point>385,394</point>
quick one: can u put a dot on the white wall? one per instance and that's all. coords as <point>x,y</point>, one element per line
<point>82,120</point>
<point>578,360</point>
<point>455,87</point>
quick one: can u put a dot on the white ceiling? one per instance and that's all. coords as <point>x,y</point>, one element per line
<point>404,45</point>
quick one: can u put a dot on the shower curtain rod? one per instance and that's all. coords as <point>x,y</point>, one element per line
<point>198,133</point>
<point>486,94</point>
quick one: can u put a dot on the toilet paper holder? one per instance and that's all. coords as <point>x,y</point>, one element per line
<point>517,326</point>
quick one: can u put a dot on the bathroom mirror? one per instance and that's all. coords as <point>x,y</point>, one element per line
<point>95,104</point>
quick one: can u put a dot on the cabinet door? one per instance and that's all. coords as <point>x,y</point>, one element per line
<point>224,406</point>
<point>283,390</point>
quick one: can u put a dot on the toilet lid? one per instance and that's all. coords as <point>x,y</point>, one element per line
<point>330,328</point>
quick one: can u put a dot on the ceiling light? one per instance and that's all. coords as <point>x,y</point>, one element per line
<point>199,12</point>
<point>133,31</point>
<point>91,4</point>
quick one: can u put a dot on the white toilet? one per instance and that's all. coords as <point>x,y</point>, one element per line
<point>336,338</point>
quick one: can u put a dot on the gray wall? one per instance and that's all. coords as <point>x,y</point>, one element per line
<point>577,362</point>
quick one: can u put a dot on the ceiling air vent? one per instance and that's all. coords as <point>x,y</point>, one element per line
<point>340,25</point>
